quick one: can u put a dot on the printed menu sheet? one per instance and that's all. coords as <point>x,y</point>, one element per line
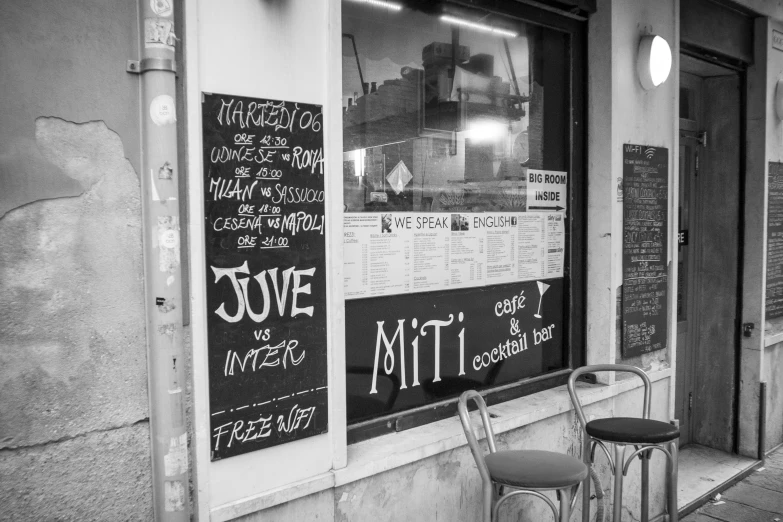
<point>403,252</point>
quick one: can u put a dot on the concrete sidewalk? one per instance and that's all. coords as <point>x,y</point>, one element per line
<point>758,498</point>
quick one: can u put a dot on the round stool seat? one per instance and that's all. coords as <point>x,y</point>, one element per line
<point>632,430</point>
<point>535,469</point>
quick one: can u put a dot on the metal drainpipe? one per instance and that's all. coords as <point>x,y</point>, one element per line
<point>763,422</point>
<point>162,270</point>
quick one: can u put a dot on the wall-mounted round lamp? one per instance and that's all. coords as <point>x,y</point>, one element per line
<point>654,61</point>
<point>779,99</point>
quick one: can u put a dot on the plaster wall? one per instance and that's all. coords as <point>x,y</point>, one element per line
<point>773,363</point>
<point>770,358</point>
<point>317,507</point>
<point>620,111</point>
<point>647,118</point>
<point>74,434</point>
<point>764,144</point>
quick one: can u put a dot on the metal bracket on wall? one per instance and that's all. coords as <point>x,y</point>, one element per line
<point>150,64</point>
<point>700,136</point>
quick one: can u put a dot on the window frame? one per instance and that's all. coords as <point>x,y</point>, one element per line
<point>575,28</point>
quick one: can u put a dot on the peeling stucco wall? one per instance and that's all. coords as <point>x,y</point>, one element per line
<point>64,59</point>
<point>72,327</point>
<point>74,429</point>
<point>72,338</point>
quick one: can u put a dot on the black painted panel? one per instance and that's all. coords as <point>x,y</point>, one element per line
<point>409,350</point>
<point>266,274</point>
<point>645,240</point>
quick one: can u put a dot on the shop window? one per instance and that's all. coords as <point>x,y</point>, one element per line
<point>462,187</point>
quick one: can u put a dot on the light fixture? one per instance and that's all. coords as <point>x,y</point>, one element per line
<point>779,99</point>
<point>477,26</point>
<point>654,61</point>
<point>486,131</point>
<point>394,6</point>
<point>358,161</point>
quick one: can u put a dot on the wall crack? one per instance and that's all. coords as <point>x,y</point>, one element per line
<point>74,437</point>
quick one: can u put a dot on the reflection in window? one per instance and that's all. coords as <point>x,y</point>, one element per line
<point>445,116</point>
<point>440,116</point>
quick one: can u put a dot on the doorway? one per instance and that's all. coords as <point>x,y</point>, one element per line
<point>709,260</point>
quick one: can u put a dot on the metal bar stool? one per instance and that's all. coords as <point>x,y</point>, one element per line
<point>644,434</point>
<point>526,472</point>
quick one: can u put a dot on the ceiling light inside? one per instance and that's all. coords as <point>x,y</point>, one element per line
<point>477,26</point>
<point>393,6</point>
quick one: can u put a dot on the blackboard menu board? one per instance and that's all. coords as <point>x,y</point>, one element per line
<point>774,299</point>
<point>645,222</point>
<point>266,277</point>
<point>408,350</point>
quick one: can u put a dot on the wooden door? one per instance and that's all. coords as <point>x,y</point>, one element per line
<point>710,206</point>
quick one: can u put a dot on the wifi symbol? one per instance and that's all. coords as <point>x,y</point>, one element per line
<point>649,152</point>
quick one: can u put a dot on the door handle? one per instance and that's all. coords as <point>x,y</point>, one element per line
<point>747,329</point>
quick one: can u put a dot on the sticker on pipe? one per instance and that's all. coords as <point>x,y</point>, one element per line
<point>169,239</point>
<point>159,34</point>
<point>546,191</point>
<point>161,7</point>
<point>163,110</point>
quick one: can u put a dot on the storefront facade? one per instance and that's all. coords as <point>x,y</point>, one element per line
<point>383,205</point>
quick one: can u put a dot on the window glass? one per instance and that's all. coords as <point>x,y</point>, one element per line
<point>466,124</point>
<point>456,139</point>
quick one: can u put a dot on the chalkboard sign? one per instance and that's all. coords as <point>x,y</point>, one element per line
<point>774,299</point>
<point>408,350</point>
<point>645,224</point>
<point>266,276</point>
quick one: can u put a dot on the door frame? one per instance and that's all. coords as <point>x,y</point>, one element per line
<point>685,359</point>
<point>692,320</point>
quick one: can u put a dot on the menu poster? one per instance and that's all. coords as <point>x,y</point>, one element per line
<point>266,276</point>
<point>774,298</point>
<point>404,252</point>
<point>645,222</point>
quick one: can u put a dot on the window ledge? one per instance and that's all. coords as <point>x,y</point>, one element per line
<point>387,452</point>
<point>773,331</point>
<point>770,340</point>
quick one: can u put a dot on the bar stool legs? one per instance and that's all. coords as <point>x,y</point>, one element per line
<point>586,484</point>
<point>490,494</point>
<point>672,468</point>
<point>645,486</point>
<point>565,504</point>
<point>620,467</point>
<point>619,460</point>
